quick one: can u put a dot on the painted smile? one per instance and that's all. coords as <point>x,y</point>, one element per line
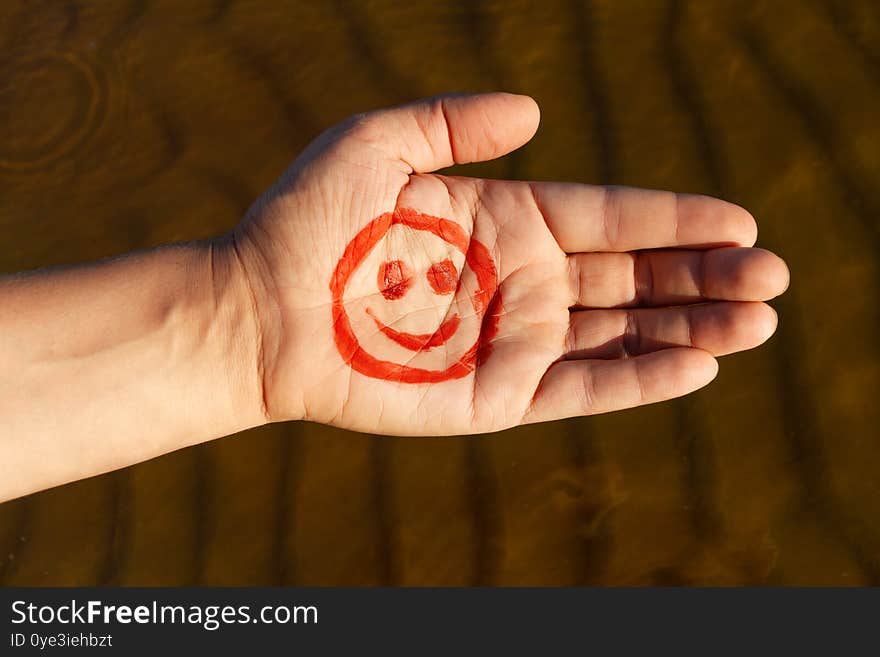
<point>419,341</point>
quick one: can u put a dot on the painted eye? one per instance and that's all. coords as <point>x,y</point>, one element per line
<point>394,279</point>
<point>442,277</point>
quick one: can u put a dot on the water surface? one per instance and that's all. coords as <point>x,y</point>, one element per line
<point>130,124</point>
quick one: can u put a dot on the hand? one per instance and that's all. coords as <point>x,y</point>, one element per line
<point>393,300</point>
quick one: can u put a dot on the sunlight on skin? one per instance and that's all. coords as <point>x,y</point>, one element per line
<point>606,298</point>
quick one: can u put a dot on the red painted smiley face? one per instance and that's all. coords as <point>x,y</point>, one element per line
<point>398,323</point>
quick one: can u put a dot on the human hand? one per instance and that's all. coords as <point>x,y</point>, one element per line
<point>393,300</point>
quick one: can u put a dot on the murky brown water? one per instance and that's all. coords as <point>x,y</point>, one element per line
<point>129,124</point>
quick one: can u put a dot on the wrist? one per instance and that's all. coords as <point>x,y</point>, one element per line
<point>277,334</point>
<point>235,312</point>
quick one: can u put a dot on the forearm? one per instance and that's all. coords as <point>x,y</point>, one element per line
<point>108,364</point>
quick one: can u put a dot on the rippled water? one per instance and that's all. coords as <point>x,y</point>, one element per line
<point>129,124</point>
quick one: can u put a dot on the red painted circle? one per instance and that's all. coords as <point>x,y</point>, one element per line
<point>486,300</point>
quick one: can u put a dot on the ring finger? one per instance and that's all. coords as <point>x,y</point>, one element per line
<point>719,328</point>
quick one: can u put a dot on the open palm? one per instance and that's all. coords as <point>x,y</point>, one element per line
<point>393,300</point>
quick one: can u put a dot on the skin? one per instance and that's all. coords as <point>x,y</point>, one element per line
<point>611,298</point>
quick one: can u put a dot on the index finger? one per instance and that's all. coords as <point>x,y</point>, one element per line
<point>596,218</point>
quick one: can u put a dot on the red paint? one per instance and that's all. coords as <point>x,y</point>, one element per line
<point>419,341</point>
<point>487,297</point>
<point>394,279</point>
<point>489,329</point>
<point>442,277</point>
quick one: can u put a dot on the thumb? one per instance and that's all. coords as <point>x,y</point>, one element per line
<point>451,129</point>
